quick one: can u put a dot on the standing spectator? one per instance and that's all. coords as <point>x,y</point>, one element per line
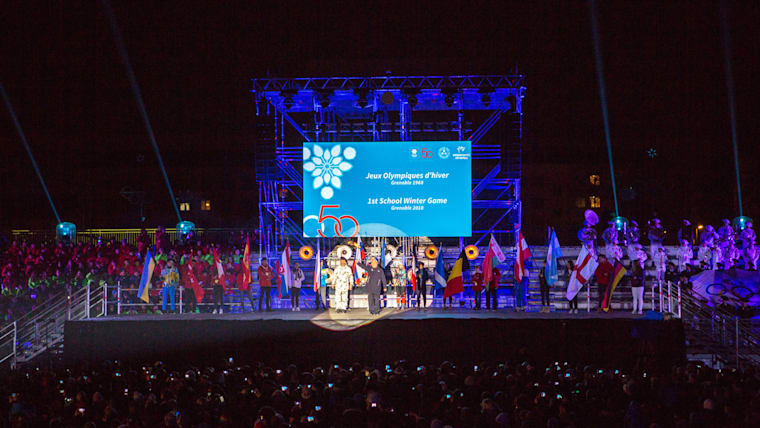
<point>422,279</point>
<point>492,288</point>
<point>574,302</point>
<point>544,288</point>
<point>170,277</point>
<point>321,295</point>
<point>295,290</point>
<point>477,287</point>
<point>265,283</point>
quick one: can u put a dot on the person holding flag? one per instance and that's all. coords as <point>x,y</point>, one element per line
<point>220,285</point>
<point>491,274</point>
<point>455,281</point>
<point>244,279</point>
<point>582,271</point>
<point>265,275</point>
<point>549,274</point>
<point>439,273</point>
<point>284,274</point>
<point>143,292</point>
<point>170,278</point>
<point>521,272</point>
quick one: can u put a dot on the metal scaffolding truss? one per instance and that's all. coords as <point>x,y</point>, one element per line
<point>382,109</point>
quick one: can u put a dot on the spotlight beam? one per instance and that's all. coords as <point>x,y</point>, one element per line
<point>603,94</point>
<point>138,97</point>
<point>28,150</point>
<point>731,102</point>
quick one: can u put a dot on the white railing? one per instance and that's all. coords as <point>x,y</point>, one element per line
<point>42,329</point>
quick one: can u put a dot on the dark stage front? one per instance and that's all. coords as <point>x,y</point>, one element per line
<point>429,337</point>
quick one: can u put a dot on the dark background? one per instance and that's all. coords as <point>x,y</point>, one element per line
<point>194,60</point>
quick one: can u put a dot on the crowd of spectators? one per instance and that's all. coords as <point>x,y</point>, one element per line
<point>31,273</point>
<point>400,394</point>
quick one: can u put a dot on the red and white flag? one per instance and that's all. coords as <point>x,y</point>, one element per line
<point>219,271</point>
<point>494,257</point>
<point>523,254</point>
<point>585,266</point>
<point>317,271</point>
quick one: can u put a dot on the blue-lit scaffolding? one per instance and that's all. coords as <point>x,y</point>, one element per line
<point>487,110</point>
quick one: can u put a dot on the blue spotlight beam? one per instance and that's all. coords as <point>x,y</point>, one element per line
<point>603,94</point>
<point>28,150</point>
<point>731,102</point>
<point>138,97</point>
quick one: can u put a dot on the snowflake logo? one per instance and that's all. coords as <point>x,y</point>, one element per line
<point>327,166</point>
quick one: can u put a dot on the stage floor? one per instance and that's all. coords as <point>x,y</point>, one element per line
<point>361,314</point>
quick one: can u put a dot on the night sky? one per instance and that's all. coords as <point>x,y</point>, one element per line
<point>194,60</point>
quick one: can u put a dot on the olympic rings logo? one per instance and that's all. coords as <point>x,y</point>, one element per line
<point>733,290</point>
<point>337,222</point>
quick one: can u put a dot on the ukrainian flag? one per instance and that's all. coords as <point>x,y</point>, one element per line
<point>147,274</point>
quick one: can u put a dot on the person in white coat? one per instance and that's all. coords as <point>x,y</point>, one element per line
<point>342,278</point>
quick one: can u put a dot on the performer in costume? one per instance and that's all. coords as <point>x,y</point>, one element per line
<point>686,231</point>
<point>587,235</point>
<point>342,280</point>
<point>746,243</point>
<point>170,276</point>
<point>611,240</point>
<point>656,235</point>
<point>633,235</point>
<point>685,255</point>
<point>707,242</point>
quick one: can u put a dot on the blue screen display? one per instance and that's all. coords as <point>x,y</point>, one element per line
<point>397,188</point>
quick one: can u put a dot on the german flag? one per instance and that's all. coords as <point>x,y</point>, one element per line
<point>455,283</point>
<point>618,271</point>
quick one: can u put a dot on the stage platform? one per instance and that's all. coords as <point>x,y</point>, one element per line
<point>430,336</point>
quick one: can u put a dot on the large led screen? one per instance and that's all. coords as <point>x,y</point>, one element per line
<point>397,188</point>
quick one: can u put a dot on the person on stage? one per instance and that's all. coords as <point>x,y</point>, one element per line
<point>422,279</point>
<point>447,271</point>
<point>633,235</point>
<point>265,283</point>
<point>587,236</point>
<point>170,277</point>
<point>375,283</point>
<point>637,282</point>
<point>492,289</point>
<point>686,231</point>
<point>295,289</point>
<point>685,254</point>
<point>544,288</point>
<point>747,239</point>
<point>324,281</point>
<point>603,277</point>
<point>399,283</point>
<point>218,291</point>
<point>707,242</point>
<point>342,278</point>
<point>656,235</point>
<point>611,240</point>
<point>573,304</point>
<point>477,287</point>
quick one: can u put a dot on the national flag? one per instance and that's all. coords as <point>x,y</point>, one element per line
<point>192,281</point>
<point>455,283</point>
<point>358,271</point>
<point>412,271</point>
<point>439,274</point>
<point>147,275</point>
<point>618,272</point>
<point>585,266</point>
<point>522,256</point>
<point>317,271</point>
<point>494,257</point>
<point>553,253</point>
<point>284,275</point>
<point>246,267</point>
<point>219,271</point>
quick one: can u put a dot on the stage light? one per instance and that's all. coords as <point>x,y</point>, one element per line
<point>66,231</point>
<point>621,223</point>
<point>185,227</point>
<point>741,222</point>
<point>701,226</point>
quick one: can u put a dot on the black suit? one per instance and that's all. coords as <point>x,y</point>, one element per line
<point>375,281</point>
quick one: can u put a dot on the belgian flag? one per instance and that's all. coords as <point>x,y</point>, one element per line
<point>617,274</point>
<point>455,282</point>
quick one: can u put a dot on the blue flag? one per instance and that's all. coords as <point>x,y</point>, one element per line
<point>553,253</point>
<point>147,275</point>
<point>439,275</point>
